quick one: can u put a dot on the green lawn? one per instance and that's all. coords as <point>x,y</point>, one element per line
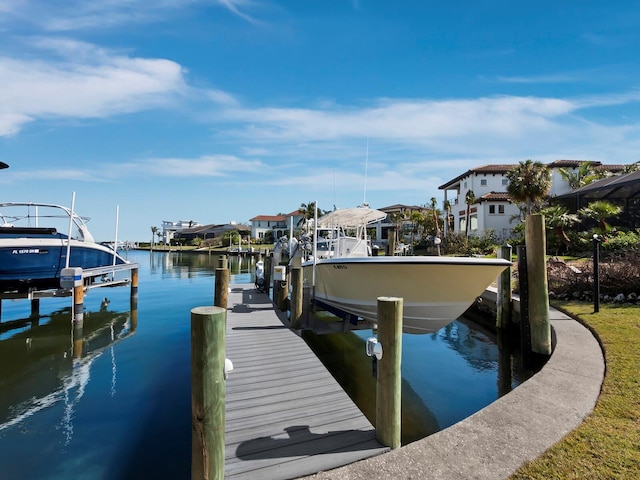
<point>607,443</point>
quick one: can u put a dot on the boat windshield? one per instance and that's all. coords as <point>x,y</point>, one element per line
<point>33,215</point>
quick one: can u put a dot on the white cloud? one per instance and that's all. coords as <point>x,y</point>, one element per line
<point>107,84</point>
<point>206,166</point>
<point>81,15</point>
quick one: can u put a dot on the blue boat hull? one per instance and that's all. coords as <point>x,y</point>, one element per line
<point>37,259</point>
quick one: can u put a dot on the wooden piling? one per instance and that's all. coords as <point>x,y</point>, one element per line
<point>296,298</point>
<point>283,294</point>
<point>535,241</point>
<point>504,301</point>
<point>389,378</point>
<point>134,285</point>
<point>392,242</point>
<point>208,392</point>
<point>221,293</point>
<point>78,303</point>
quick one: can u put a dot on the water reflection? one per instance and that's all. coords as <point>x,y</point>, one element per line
<point>192,265</point>
<point>50,362</point>
<point>446,375</point>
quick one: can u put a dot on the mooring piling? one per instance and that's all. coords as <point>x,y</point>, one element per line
<point>296,298</point>
<point>208,392</point>
<point>505,296</point>
<point>389,376</point>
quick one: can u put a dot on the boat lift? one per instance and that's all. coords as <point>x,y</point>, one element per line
<point>84,281</point>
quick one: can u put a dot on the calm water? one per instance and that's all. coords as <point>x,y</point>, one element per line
<point>114,403</point>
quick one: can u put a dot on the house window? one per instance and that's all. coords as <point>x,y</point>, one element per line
<point>501,209</point>
<point>465,185</point>
<point>483,182</point>
<point>492,209</point>
<point>505,181</point>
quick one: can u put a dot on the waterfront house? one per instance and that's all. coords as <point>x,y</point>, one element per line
<point>279,224</point>
<point>492,208</point>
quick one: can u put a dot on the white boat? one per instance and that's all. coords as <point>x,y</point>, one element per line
<point>344,275</point>
<point>34,249</point>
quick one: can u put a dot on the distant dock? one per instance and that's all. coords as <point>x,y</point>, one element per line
<point>286,416</point>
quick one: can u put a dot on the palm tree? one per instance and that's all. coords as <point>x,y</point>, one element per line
<point>434,205</point>
<point>154,230</point>
<point>308,211</point>
<point>470,199</point>
<point>448,219</point>
<point>417,222</point>
<point>558,218</point>
<point>529,183</point>
<point>583,176</point>
<point>600,211</point>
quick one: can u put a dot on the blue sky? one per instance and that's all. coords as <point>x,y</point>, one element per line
<point>221,110</point>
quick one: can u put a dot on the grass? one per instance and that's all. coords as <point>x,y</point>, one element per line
<point>607,444</point>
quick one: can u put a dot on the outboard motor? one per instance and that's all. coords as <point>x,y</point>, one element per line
<point>261,282</point>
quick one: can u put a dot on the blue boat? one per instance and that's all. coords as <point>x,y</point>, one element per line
<point>34,249</point>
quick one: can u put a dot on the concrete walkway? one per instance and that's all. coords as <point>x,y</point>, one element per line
<point>518,427</point>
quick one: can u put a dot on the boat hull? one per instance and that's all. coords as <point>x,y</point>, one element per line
<point>37,261</point>
<point>435,290</point>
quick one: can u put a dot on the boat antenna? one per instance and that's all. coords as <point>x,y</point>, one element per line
<point>366,167</point>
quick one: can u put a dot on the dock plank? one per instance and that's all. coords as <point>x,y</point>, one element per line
<point>286,416</point>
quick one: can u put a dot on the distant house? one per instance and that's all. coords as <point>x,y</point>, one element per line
<point>209,233</point>
<point>493,208</point>
<point>169,229</point>
<point>278,224</point>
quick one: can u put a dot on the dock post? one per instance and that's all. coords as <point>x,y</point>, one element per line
<point>134,286</point>
<point>208,392</point>
<point>268,262</point>
<point>504,300</point>
<point>223,262</point>
<point>538,285</point>
<point>392,242</point>
<point>283,294</point>
<point>78,304</point>
<point>221,293</point>
<point>296,298</point>
<point>389,382</point>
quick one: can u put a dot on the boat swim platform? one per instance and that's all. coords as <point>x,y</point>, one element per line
<point>286,416</point>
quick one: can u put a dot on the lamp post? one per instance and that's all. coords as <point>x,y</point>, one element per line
<point>596,276</point>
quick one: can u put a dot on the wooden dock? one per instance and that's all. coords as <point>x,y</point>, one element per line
<point>286,416</point>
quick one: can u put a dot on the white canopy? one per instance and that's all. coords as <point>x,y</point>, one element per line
<point>351,217</point>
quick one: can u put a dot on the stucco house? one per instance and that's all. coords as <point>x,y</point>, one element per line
<point>493,208</point>
<point>278,224</point>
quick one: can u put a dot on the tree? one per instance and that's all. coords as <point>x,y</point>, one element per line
<point>434,205</point>
<point>558,218</point>
<point>154,231</point>
<point>529,183</point>
<point>448,218</point>
<point>583,176</point>
<point>600,211</point>
<point>470,199</point>
<point>308,212</point>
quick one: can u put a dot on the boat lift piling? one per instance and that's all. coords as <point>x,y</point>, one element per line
<point>76,282</point>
